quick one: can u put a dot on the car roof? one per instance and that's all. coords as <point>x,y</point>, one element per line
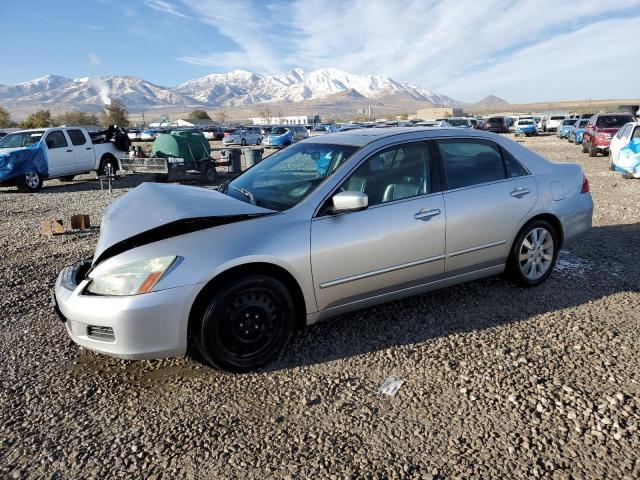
<point>363,136</point>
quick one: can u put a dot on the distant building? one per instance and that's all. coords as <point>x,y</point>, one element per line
<point>438,112</point>
<point>286,120</point>
<point>194,122</point>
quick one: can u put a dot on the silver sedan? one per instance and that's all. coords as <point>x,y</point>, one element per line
<point>328,225</point>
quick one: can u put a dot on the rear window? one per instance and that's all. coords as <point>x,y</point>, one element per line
<point>77,137</point>
<point>495,120</point>
<point>613,121</point>
<point>557,117</point>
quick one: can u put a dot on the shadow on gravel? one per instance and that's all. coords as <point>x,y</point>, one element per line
<point>601,264</point>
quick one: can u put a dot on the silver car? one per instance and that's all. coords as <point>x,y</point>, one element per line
<point>328,225</point>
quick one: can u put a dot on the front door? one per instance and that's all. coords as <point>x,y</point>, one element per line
<point>488,194</point>
<point>60,155</point>
<point>396,243</point>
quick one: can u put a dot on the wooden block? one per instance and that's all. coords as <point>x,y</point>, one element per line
<point>52,227</point>
<point>80,222</point>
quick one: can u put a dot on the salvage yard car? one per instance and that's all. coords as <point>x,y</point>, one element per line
<point>576,131</point>
<point>598,132</point>
<point>28,157</point>
<point>243,137</point>
<point>526,127</point>
<point>328,225</point>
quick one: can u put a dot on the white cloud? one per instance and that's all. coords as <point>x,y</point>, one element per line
<point>165,7</point>
<point>525,51</point>
<point>94,60</point>
<point>257,37</point>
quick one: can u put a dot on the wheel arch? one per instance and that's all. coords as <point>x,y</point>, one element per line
<point>254,268</point>
<point>105,158</point>
<point>552,219</point>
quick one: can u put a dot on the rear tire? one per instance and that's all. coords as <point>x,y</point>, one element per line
<point>108,162</point>
<point>244,325</point>
<point>593,152</point>
<point>533,254</point>
<point>30,182</point>
<point>243,142</point>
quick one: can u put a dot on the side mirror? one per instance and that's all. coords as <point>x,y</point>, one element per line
<point>350,202</point>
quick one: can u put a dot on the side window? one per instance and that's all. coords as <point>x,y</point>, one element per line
<point>470,162</point>
<point>636,133</point>
<point>77,137</point>
<point>55,139</point>
<point>398,172</point>
<point>513,167</point>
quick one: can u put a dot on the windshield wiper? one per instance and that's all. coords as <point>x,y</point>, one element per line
<point>247,194</point>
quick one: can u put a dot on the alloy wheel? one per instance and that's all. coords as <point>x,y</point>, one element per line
<point>536,253</point>
<point>32,180</point>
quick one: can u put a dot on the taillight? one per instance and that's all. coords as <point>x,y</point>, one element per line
<point>585,184</point>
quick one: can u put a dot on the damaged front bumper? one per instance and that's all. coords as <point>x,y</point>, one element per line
<point>151,325</point>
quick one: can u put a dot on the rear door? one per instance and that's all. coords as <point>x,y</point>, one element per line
<point>83,150</point>
<point>395,243</point>
<point>60,156</point>
<point>488,192</point>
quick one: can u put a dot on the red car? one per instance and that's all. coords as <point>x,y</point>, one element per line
<point>598,132</point>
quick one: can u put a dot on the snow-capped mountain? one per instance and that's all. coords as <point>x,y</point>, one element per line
<point>240,87</point>
<point>54,90</point>
<point>235,88</point>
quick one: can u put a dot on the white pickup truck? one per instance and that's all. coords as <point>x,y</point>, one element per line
<point>28,157</point>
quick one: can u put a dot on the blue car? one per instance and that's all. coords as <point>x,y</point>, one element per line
<point>576,131</point>
<point>279,137</point>
<point>526,127</point>
<point>565,127</point>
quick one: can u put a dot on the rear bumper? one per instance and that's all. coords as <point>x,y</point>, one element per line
<point>578,222</point>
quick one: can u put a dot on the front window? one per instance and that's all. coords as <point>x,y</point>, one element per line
<point>285,178</point>
<point>20,139</point>
<point>613,121</point>
<point>279,130</point>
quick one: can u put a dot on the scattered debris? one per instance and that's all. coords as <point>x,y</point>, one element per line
<point>80,222</point>
<point>390,386</point>
<point>52,227</point>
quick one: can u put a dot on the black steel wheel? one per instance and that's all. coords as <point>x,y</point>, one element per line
<point>208,172</point>
<point>245,324</point>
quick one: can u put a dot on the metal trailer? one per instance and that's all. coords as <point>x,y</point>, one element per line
<point>164,167</point>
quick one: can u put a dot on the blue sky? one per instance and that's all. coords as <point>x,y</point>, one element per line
<point>521,50</point>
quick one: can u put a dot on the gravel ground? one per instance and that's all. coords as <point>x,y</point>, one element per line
<point>500,382</point>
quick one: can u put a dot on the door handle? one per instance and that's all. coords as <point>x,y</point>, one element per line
<point>425,214</point>
<point>519,192</point>
<point>69,151</point>
<point>88,148</point>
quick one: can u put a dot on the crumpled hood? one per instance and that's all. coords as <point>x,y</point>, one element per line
<point>15,162</point>
<point>153,211</point>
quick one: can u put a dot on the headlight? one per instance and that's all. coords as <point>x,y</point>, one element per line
<point>132,279</point>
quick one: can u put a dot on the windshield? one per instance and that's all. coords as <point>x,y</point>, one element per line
<point>569,122</point>
<point>320,129</point>
<point>20,139</point>
<point>286,177</point>
<point>279,130</point>
<point>525,122</point>
<point>582,123</point>
<point>458,122</point>
<point>613,121</point>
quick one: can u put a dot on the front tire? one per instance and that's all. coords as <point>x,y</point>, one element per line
<point>243,142</point>
<point>30,182</point>
<point>533,255</point>
<point>245,324</point>
<point>585,148</point>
